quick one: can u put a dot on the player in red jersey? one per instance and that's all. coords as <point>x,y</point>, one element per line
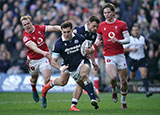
<point>38,55</point>
<point>114,33</point>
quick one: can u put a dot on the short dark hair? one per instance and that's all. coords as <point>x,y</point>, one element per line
<point>109,5</point>
<point>66,24</point>
<point>94,19</point>
<point>136,25</point>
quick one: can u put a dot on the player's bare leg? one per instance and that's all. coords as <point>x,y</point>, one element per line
<point>84,74</point>
<point>76,95</point>
<point>33,81</point>
<point>96,80</point>
<point>112,73</point>
<point>46,75</point>
<point>60,81</point>
<point>124,87</point>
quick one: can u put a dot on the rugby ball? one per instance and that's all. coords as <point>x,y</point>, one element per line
<point>85,45</point>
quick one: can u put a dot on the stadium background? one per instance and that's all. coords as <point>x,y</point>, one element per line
<point>13,70</point>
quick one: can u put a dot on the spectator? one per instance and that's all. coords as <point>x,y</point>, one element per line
<point>4,49</point>
<point>19,65</point>
<point>152,66</point>
<point>16,51</point>
<point>4,62</point>
<point>129,13</point>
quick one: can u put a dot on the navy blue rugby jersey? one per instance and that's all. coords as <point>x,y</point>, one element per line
<point>83,30</point>
<point>70,51</point>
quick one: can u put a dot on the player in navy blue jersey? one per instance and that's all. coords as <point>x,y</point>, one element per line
<point>68,46</point>
<point>89,32</point>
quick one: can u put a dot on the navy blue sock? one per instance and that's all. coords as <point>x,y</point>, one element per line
<point>89,89</point>
<point>145,83</point>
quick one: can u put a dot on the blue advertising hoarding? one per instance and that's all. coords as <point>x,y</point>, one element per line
<point>21,83</point>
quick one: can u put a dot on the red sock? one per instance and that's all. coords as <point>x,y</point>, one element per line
<point>124,93</point>
<point>96,83</point>
<point>44,94</point>
<point>34,88</point>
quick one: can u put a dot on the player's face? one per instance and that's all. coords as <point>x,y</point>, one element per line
<point>108,14</point>
<point>135,31</point>
<point>27,25</point>
<point>67,33</point>
<point>92,26</point>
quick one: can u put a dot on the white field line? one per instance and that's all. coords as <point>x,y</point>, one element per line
<point>50,101</point>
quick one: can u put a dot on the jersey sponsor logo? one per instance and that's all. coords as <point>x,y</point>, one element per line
<point>111,35</point>
<point>104,28</point>
<point>40,40</point>
<point>72,49</point>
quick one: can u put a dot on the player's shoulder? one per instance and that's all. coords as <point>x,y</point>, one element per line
<point>102,23</point>
<point>80,29</point>
<point>120,21</point>
<point>142,37</point>
<point>25,35</point>
<point>59,41</point>
<point>39,27</point>
<point>79,36</point>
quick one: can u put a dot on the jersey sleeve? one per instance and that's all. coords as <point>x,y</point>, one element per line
<point>56,51</point>
<point>78,30</point>
<point>26,39</point>
<point>42,27</point>
<point>124,27</point>
<point>99,30</point>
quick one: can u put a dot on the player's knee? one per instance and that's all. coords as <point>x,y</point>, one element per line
<point>63,83</point>
<point>123,82</point>
<point>144,75</point>
<point>84,75</point>
<point>131,78</point>
<point>113,78</point>
<point>46,80</point>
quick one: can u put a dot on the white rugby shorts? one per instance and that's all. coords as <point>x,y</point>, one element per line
<point>96,60</point>
<point>76,74</point>
<point>36,66</point>
<point>119,61</point>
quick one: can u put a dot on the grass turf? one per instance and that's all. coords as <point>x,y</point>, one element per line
<point>59,103</point>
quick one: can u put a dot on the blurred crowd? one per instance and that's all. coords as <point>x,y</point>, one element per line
<point>13,54</point>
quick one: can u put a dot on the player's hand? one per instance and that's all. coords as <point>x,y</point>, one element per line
<point>47,55</point>
<point>98,43</point>
<point>64,68</point>
<point>134,50</point>
<point>89,50</point>
<point>95,65</point>
<point>113,40</point>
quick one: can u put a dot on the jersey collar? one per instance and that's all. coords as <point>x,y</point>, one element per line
<point>86,28</point>
<point>111,22</point>
<point>32,30</point>
<point>63,39</point>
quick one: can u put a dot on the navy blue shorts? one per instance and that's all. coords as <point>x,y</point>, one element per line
<point>135,64</point>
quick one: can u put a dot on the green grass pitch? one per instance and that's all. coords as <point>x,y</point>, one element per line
<point>59,103</point>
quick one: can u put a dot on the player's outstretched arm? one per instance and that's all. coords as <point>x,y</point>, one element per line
<point>34,47</point>
<point>57,66</point>
<point>50,28</point>
<point>98,41</point>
